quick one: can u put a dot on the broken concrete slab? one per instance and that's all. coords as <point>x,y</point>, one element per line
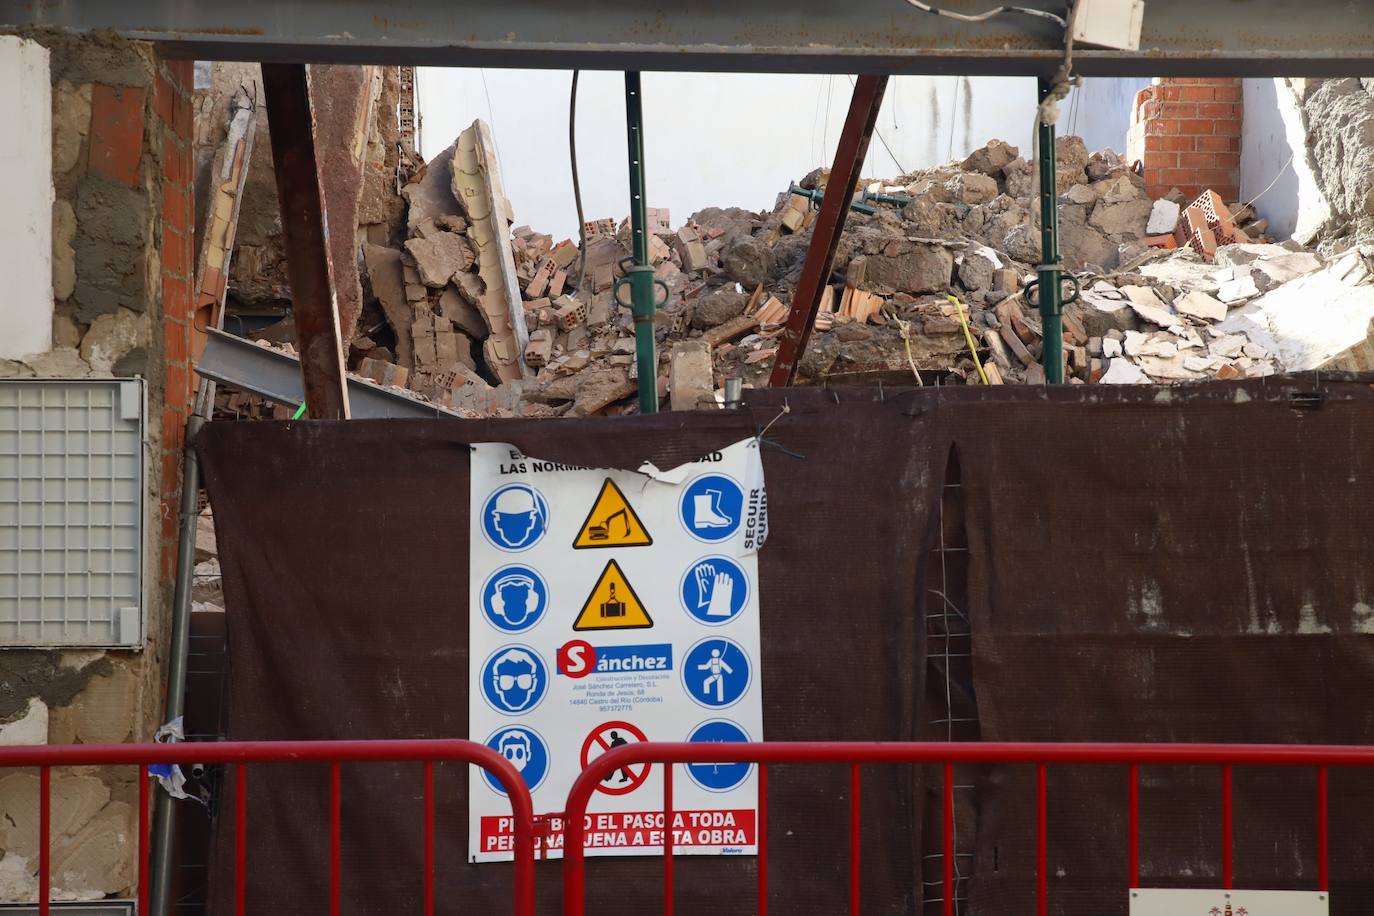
<point>1283,322</point>
<point>439,257</point>
<point>432,195</point>
<point>915,269</point>
<point>477,185</point>
<point>1121,372</point>
<point>1197,304</point>
<point>387,278</point>
<point>691,381</point>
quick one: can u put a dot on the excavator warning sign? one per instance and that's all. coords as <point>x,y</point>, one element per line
<point>613,604</point>
<point>612,522</point>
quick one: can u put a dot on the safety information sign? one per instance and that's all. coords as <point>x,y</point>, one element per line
<point>609,608</point>
<point>1181,902</point>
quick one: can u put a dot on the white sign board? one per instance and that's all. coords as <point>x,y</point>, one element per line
<point>612,607</point>
<point>1171,902</point>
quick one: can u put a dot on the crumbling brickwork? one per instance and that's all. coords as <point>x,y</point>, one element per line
<point>173,122</point>
<point>1185,132</point>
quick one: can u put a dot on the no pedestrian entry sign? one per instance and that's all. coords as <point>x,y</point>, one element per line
<point>610,608</point>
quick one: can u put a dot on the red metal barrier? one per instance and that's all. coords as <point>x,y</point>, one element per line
<point>1041,756</point>
<point>239,754</point>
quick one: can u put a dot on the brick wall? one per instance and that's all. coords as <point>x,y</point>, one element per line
<point>1186,134</point>
<point>173,123</point>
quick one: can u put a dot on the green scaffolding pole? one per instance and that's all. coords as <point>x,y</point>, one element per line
<point>639,273</point>
<point>1050,290</point>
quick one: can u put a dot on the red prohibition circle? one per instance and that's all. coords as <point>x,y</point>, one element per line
<point>596,738</point>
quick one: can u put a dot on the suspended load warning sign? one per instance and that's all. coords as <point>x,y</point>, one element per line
<point>609,608</point>
<point>613,604</point>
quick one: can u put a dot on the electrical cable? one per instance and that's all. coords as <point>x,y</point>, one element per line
<point>1252,200</point>
<point>881,139</point>
<point>983,17</point>
<point>968,337</point>
<point>577,185</point>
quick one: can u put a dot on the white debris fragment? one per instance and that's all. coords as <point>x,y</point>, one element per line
<point>1197,304</point>
<point>1121,372</point>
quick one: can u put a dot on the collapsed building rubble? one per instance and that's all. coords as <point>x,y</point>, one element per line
<point>929,282</point>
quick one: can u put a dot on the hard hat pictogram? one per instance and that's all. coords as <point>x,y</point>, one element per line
<point>612,522</point>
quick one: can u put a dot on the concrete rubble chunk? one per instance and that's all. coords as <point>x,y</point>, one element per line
<point>1121,372</point>
<point>439,257</point>
<point>387,278</point>
<point>991,159</point>
<point>719,307</point>
<point>1128,218</point>
<point>1164,216</point>
<point>1197,304</point>
<point>432,195</point>
<point>691,381</point>
<point>462,313</point>
<point>972,188</point>
<point>911,269</point>
<point>1282,322</point>
<point>1282,268</point>
<point>1237,290</point>
<point>1081,194</point>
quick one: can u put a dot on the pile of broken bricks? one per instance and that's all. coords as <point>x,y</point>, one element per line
<point>532,326</point>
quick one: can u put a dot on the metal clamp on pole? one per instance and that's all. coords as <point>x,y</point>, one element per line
<point>640,277</point>
<point>1049,269</point>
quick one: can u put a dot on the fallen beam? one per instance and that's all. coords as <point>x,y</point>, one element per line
<point>825,234</point>
<point>276,376</point>
<point>313,303</point>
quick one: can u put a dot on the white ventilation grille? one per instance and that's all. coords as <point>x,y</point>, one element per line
<point>71,513</point>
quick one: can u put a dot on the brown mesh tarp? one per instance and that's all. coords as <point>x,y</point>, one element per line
<point>345,556</point>
<point>1171,567</point>
<point>1145,565</point>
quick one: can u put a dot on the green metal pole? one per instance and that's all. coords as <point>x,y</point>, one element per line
<point>641,274</point>
<point>1051,292</point>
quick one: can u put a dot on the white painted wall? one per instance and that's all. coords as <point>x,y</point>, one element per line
<point>1099,111</point>
<point>26,197</point>
<point>1289,196</point>
<point>712,139</point>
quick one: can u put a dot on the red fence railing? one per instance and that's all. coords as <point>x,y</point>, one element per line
<point>239,755</point>
<point>855,755</point>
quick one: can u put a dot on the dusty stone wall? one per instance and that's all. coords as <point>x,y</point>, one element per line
<point>122,237</point>
<point>1338,116</point>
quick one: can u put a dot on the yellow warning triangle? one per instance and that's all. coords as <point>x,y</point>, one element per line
<point>612,522</point>
<point>613,604</point>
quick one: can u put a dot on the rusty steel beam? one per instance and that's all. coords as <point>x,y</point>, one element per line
<point>826,231</point>
<point>314,307</point>
<point>1179,37</point>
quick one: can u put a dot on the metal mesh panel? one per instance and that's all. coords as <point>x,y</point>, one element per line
<point>71,513</point>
